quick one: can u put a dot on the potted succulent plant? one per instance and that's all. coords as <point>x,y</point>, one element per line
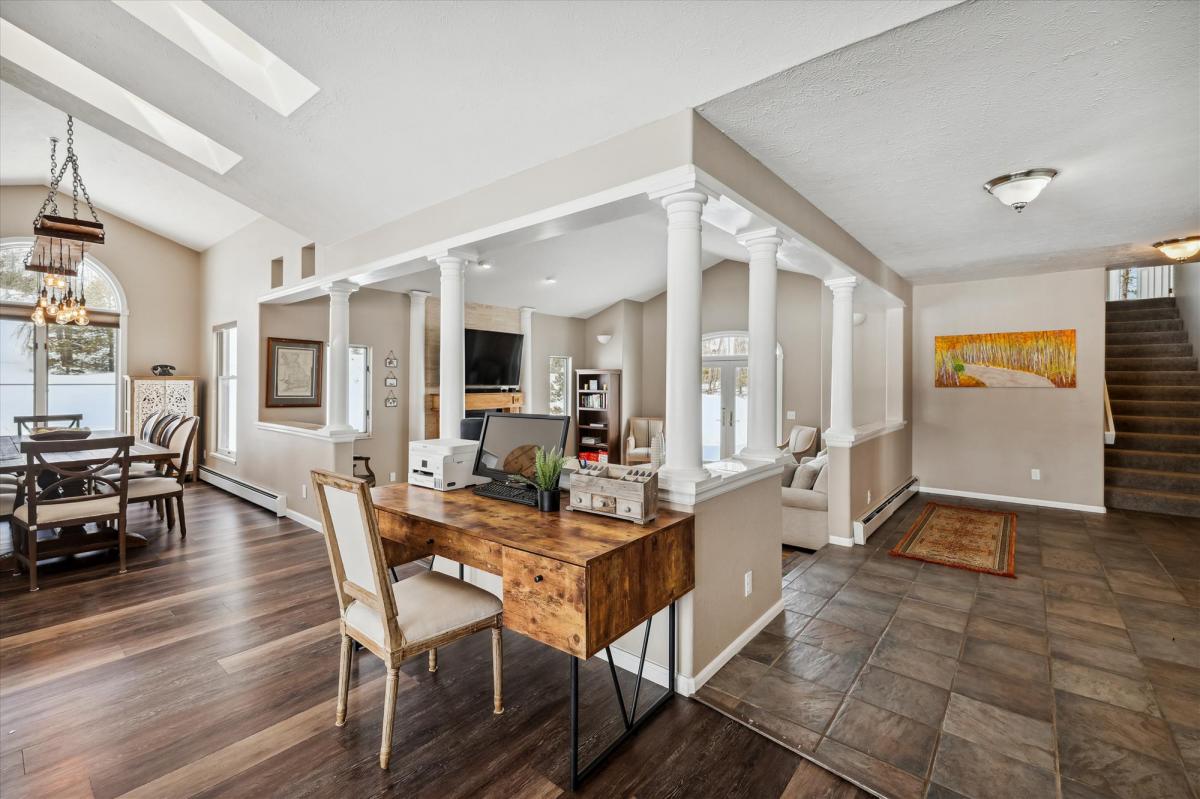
<point>547,468</point>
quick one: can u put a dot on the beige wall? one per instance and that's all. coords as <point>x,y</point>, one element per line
<point>725,307</point>
<point>987,440</point>
<point>307,321</point>
<point>1187,297</point>
<point>161,280</point>
<point>379,320</point>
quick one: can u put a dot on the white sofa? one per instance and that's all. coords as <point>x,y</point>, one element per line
<point>806,510</point>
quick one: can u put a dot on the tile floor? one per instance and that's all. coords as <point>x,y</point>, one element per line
<point>1079,679</point>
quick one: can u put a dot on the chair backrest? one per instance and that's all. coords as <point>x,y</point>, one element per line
<point>64,472</point>
<point>643,429</point>
<point>26,424</point>
<point>178,438</point>
<point>355,549</point>
<point>801,439</point>
<point>148,425</point>
<point>161,428</point>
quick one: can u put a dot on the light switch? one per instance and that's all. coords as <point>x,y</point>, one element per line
<point>791,416</point>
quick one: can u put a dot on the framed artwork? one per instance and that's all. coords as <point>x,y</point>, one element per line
<point>1036,359</point>
<point>391,361</point>
<point>391,401</point>
<point>391,381</point>
<point>294,371</point>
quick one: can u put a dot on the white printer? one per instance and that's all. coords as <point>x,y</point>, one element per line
<point>443,463</point>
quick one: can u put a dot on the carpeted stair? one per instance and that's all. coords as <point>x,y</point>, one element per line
<point>1154,388</point>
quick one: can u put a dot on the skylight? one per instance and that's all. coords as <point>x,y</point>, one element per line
<point>34,55</point>
<point>214,40</point>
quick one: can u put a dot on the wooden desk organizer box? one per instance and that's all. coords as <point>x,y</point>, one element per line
<point>622,492</point>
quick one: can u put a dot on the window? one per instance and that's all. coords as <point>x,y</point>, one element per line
<point>725,393</point>
<point>226,358</point>
<point>58,368</point>
<point>359,407</point>
<point>559,402</point>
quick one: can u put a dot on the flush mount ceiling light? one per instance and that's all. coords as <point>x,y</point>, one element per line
<point>35,56</point>
<point>1179,249</point>
<point>1020,188</point>
<point>549,281</point>
<point>226,48</point>
<point>485,264</point>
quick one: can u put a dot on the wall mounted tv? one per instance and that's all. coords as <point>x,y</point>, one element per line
<point>492,360</point>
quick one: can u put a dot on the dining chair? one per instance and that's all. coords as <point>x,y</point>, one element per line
<point>394,620</point>
<point>75,493</point>
<point>27,424</point>
<point>148,425</point>
<point>166,489</point>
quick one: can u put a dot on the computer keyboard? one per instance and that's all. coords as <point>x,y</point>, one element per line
<point>497,490</point>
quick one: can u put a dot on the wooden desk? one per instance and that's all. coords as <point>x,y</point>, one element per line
<point>574,581</point>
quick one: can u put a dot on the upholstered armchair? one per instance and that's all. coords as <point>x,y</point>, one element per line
<point>641,433</point>
<point>801,441</point>
<point>806,504</point>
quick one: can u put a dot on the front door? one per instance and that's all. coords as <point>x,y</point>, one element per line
<point>724,396</point>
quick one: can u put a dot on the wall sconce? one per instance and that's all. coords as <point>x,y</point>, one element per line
<point>859,318</point>
<point>604,338</point>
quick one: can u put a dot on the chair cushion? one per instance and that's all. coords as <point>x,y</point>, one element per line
<point>49,514</point>
<point>822,483</point>
<point>640,452</point>
<point>153,487</point>
<point>427,605</point>
<point>805,476</point>
<point>805,500</point>
<point>139,469</point>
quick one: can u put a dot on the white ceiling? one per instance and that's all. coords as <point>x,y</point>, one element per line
<point>593,267</point>
<point>420,102</point>
<point>894,137</point>
<point>121,179</point>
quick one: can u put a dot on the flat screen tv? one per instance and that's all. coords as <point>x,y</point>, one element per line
<point>492,360</point>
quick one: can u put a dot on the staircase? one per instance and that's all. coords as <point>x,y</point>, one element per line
<point>1154,388</point>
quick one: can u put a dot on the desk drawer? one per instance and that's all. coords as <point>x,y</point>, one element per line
<point>406,540</point>
<point>546,600</point>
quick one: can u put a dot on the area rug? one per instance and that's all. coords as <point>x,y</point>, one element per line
<point>964,538</point>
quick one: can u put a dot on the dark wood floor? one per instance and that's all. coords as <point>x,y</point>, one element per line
<point>210,669</point>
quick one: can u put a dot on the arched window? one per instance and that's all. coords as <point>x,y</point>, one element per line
<point>725,393</point>
<point>58,368</point>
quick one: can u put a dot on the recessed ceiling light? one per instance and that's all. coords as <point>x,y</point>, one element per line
<point>214,40</point>
<point>1020,188</point>
<point>549,281</point>
<point>1179,249</point>
<point>485,264</point>
<point>34,55</point>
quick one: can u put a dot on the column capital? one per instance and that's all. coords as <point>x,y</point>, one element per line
<point>458,256</point>
<point>765,237</point>
<point>418,295</point>
<point>842,286</point>
<point>687,200</point>
<point>341,289</point>
<point>526,310</point>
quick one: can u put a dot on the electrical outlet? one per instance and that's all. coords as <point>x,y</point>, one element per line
<point>1035,474</point>
<point>791,416</point>
<point>749,582</point>
<point>303,491</point>
<point>391,477</point>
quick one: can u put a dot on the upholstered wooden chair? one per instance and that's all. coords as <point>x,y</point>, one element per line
<point>394,620</point>
<point>62,493</point>
<point>642,430</point>
<point>166,488</point>
<point>801,441</point>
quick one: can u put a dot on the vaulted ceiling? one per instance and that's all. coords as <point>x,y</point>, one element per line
<point>417,102</point>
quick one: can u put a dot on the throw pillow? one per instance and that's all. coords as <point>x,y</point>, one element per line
<point>805,476</point>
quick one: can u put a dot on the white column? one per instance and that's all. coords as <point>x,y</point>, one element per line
<point>841,379</point>
<point>416,365</point>
<point>526,359</point>
<point>764,338</point>
<point>452,388</point>
<point>684,274</point>
<point>337,420</point>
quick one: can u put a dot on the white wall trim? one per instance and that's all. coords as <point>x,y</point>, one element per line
<point>841,541</point>
<point>307,521</point>
<point>1046,503</point>
<point>657,673</point>
<point>319,433</point>
<point>264,497</point>
<point>862,433</point>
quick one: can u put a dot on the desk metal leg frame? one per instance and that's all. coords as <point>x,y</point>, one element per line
<point>630,719</point>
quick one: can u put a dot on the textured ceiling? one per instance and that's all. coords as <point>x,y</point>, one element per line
<point>893,137</point>
<point>119,178</point>
<point>420,102</point>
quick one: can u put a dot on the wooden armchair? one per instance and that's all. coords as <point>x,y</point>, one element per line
<point>27,424</point>
<point>67,492</point>
<point>393,620</point>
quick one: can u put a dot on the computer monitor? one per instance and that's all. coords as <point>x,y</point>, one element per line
<point>509,442</point>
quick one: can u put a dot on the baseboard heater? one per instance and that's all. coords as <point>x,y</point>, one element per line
<point>265,497</point>
<point>869,523</point>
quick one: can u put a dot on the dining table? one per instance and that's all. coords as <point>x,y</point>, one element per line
<point>13,461</point>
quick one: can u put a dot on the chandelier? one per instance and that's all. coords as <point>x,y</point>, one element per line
<point>60,244</point>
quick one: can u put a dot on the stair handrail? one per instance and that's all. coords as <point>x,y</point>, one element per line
<point>1110,428</point>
